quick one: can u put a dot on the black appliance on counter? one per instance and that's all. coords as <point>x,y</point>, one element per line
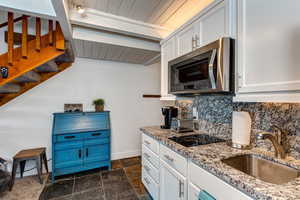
<point>168,112</point>
<point>196,140</point>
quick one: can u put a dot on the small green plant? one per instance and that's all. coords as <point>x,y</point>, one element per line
<point>98,102</point>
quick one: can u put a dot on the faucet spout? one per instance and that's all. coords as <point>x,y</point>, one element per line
<point>279,150</point>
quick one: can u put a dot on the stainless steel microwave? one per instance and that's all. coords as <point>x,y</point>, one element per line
<point>208,69</point>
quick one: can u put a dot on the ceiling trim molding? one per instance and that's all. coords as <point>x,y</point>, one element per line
<point>104,21</point>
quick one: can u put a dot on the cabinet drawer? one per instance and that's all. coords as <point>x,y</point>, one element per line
<point>150,156</point>
<point>151,170</point>
<point>150,184</point>
<point>97,134</point>
<point>150,143</point>
<point>213,185</point>
<point>175,160</point>
<point>68,145</point>
<point>68,137</point>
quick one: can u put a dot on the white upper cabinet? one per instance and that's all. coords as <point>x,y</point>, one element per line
<point>168,52</point>
<point>186,40</point>
<point>268,50</point>
<point>213,24</point>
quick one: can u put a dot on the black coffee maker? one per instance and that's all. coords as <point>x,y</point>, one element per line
<point>168,112</point>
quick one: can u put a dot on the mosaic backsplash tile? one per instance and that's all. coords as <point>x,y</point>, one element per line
<point>215,115</point>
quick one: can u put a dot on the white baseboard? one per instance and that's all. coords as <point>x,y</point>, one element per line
<point>127,154</point>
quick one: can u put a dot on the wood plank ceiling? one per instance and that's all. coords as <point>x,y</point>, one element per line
<point>102,51</point>
<point>167,13</point>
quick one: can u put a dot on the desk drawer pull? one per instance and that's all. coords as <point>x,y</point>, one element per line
<point>96,134</point>
<point>69,137</point>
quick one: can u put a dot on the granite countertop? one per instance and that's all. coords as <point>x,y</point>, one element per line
<point>209,158</point>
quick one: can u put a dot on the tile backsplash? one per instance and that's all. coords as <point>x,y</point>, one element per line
<point>215,116</point>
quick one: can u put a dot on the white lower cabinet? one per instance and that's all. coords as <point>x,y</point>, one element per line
<point>213,185</point>
<point>193,192</point>
<point>173,185</point>
<point>150,184</point>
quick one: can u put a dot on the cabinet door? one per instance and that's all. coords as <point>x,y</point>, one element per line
<point>172,184</point>
<point>68,157</point>
<point>185,40</point>
<point>168,52</point>
<point>268,46</point>
<point>96,150</point>
<point>214,24</point>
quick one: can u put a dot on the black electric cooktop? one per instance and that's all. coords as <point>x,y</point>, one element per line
<point>196,140</point>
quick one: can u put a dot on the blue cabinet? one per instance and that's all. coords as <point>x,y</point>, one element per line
<point>80,141</point>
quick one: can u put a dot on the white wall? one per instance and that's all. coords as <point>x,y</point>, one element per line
<point>26,122</point>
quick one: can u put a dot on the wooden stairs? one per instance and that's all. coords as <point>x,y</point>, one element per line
<point>36,59</point>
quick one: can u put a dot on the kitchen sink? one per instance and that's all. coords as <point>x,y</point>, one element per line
<point>263,169</point>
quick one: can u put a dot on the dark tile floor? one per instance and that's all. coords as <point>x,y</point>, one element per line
<point>123,182</point>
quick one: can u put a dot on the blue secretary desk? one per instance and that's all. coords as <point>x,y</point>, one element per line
<point>80,141</point>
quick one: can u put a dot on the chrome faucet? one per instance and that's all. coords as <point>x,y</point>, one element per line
<point>276,139</point>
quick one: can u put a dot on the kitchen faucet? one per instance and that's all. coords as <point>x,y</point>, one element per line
<point>276,139</point>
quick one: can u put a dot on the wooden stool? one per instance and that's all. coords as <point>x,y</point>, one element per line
<point>38,154</point>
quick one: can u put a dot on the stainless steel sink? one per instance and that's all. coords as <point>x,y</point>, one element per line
<point>263,169</point>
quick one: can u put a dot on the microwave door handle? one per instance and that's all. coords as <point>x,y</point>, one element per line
<point>211,69</point>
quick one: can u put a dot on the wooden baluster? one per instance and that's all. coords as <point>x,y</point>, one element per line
<point>50,33</point>
<point>38,34</point>
<point>10,38</point>
<point>24,36</point>
<point>59,38</point>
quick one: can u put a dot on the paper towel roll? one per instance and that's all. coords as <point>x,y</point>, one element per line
<point>241,128</point>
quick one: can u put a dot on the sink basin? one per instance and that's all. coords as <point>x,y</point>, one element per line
<point>263,169</point>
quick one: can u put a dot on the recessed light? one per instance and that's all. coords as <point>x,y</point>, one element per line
<point>80,9</point>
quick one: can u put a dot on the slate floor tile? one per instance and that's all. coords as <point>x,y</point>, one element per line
<point>58,189</point>
<point>113,176</point>
<point>88,172</point>
<point>127,162</point>
<point>87,182</point>
<point>116,164</point>
<point>93,194</point>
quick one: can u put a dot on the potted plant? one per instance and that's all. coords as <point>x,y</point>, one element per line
<point>99,105</point>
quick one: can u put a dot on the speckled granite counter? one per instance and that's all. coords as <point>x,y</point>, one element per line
<point>209,158</point>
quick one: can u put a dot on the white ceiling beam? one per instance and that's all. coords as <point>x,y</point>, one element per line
<point>93,35</point>
<point>108,22</point>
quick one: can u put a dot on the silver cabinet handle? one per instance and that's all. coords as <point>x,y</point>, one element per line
<point>146,168</point>
<point>181,188</point>
<point>147,142</point>
<point>169,158</point>
<point>196,41</point>
<point>211,69</point>
<point>147,181</point>
<point>193,43</point>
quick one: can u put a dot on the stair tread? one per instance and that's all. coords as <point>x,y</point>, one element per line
<point>30,76</point>
<point>10,88</point>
